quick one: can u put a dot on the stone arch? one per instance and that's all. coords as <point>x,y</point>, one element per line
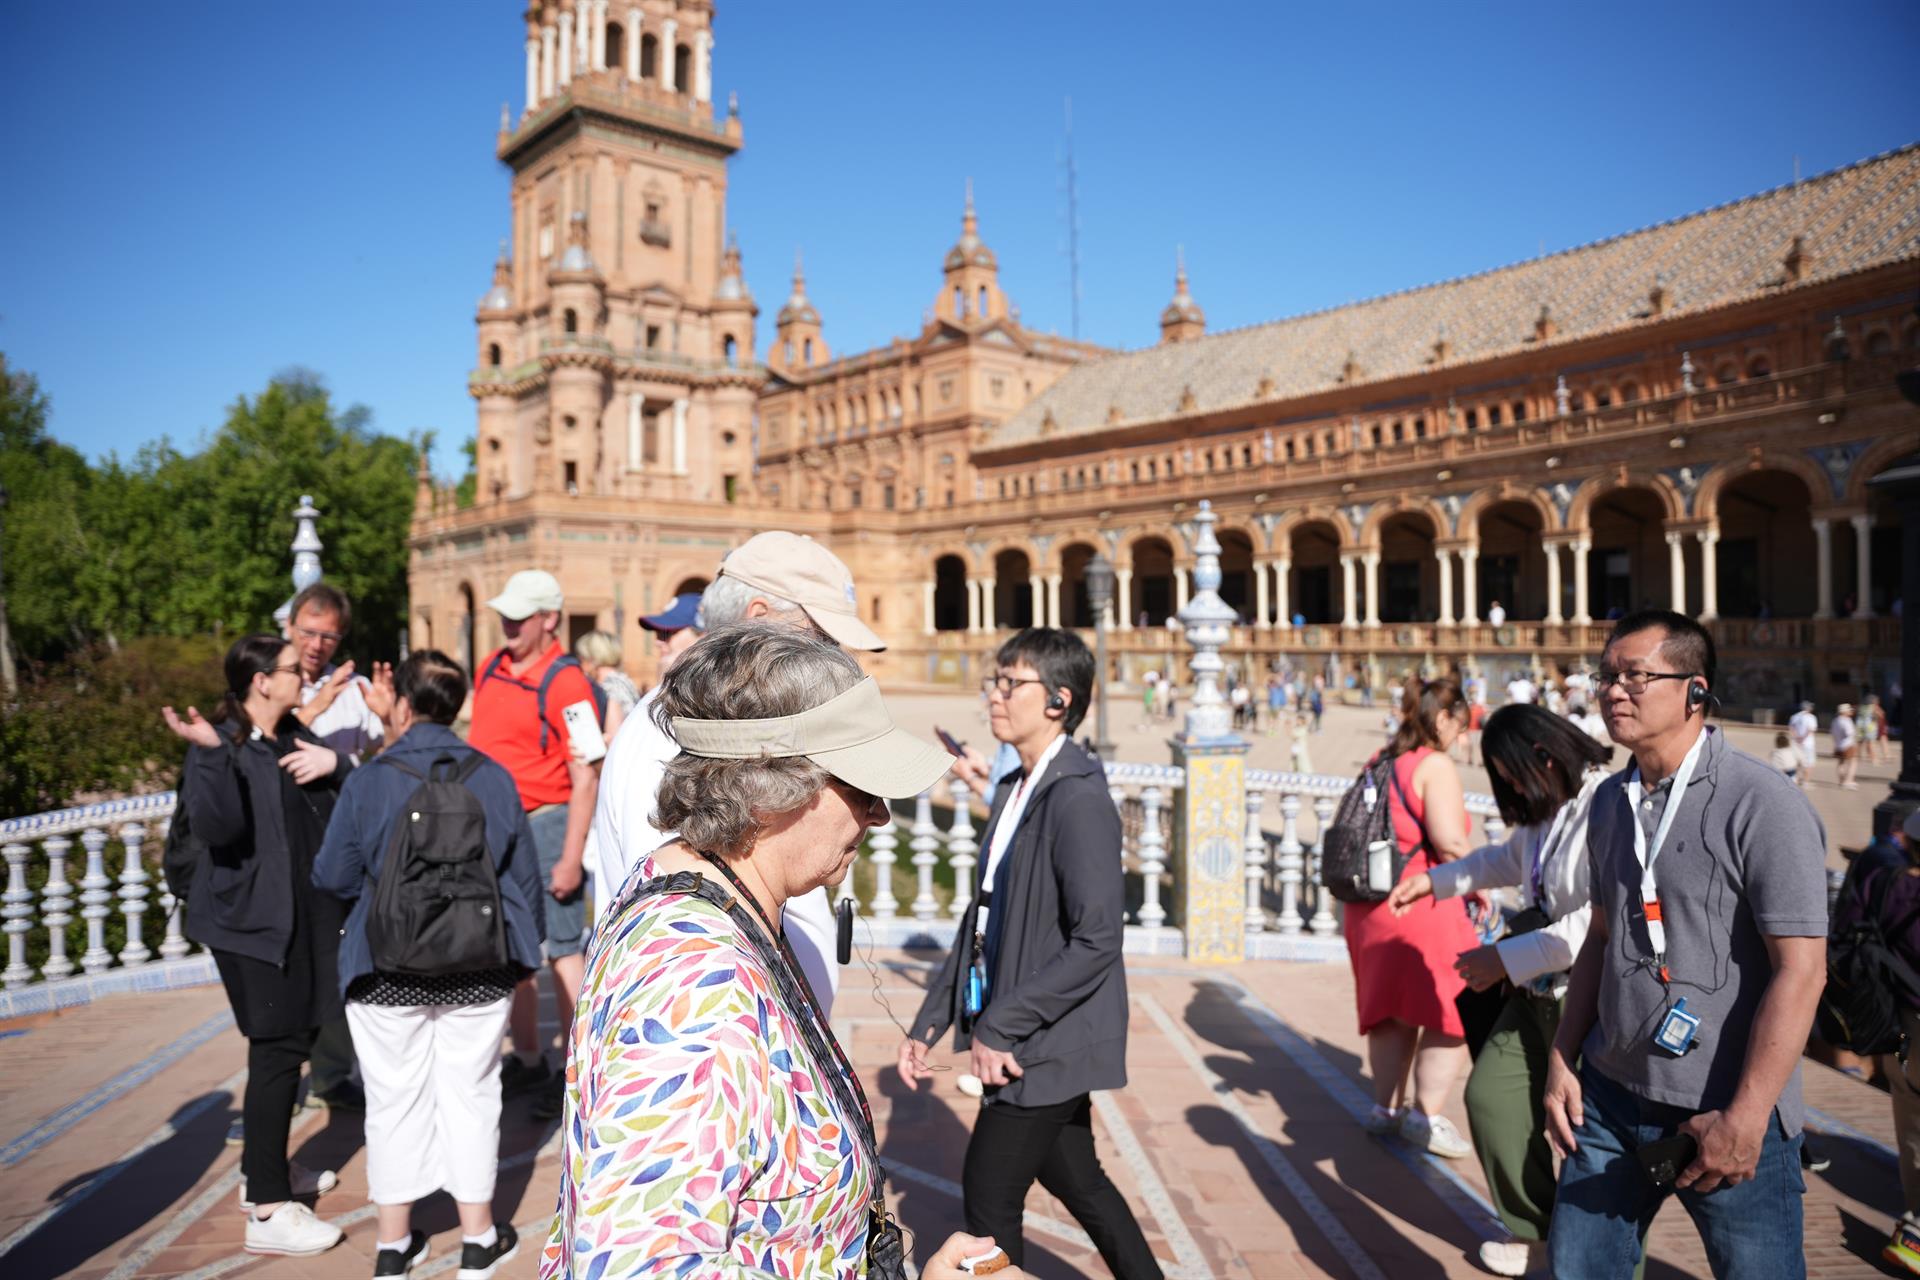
<point>950,604</point>
<point>1706,499</point>
<point>1313,544</point>
<point>1024,546</point>
<point>1075,611</point>
<point>1151,560</point>
<point>1384,511</point>
<point>1284,530</point>
<point>1014,573</point>
<point>1871,462</point>
<point>1409,573</point>
<point>1239,552</point>
<point>1766,545</point>
<point>466,627</point>
<point>1579,511</point>
<point>1506,491</point>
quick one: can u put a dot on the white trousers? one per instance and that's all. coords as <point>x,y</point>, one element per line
<point>432,1076</point>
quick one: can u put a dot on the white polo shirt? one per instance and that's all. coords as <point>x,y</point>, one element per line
<point>348,725</point>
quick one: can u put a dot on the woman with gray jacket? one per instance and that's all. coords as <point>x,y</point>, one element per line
<point>1544,770</point>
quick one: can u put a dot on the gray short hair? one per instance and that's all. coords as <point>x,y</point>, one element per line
<point>598,648</point>
<point>746,671</point>
<point>727,599</point>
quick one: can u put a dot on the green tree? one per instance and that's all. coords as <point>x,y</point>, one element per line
<point>42,536</point>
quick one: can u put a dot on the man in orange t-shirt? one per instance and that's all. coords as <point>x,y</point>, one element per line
<point>557,791</point>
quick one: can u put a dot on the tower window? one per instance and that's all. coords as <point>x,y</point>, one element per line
<point>886,496</point>
<point>730,485</point>
<point>571,471</point>
<point>959,302</point>
<point>983,300</point>
<point>493,354</point>
<point>649,57</point>
<point>682,68</point>
<point>653,337</point>
<point>806,348</point>
<point>572,321</point>
<point>616,45</point>
<point>728,349</point>
<point>786,351</point>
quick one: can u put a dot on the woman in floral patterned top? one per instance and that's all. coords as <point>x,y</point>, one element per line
<point>713,1127</point>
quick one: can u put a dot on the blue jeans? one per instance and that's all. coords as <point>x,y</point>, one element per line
<point>566,921</point>
<point>1606,1203</point>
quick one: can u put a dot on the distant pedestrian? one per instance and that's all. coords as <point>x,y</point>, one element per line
<point>1496,615</point>
<point>1873,730</point>
<point>1784,757</point>
<point>430,1039</point>
<point>259,788</point>
<point>1801,728</point>
<point>599,653</point>
<point>1846,745</point>
<point>1520,689</point>
<point>1317,703</point>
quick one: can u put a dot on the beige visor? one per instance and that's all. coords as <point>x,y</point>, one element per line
<point>850,735</point>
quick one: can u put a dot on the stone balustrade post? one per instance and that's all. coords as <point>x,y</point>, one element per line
<point>18,913</point>
<point>56,902</point>
<point>1256,860</point>
<point>1290,862</point>
<point>885,840</point>
<point>133,894</point>
<point>96,901</point>
<point>174,944</point>
<point>1323,923</point>
<point>925,839</point>
<point>1153,859</point>
<point>961,847</point>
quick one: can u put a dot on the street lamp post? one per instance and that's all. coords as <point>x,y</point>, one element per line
<point>1100,577</point>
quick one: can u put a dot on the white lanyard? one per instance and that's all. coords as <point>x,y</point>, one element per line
<point>1548,846</point>
<point>1649,890</point>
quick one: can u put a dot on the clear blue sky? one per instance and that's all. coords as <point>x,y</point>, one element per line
<point>201,195</point>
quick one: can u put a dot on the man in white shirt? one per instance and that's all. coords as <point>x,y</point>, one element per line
<point>1520,689</point>
<point>345,710</point>
<point>1846,744</point>
<point>1801,728</point>
<point>1496,615</point>
<point>782,578</point>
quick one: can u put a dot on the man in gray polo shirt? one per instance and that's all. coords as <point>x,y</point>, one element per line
<point>1690,1003</point>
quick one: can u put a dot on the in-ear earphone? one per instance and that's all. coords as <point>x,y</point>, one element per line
<point>1056,703</point>
<point>1696,696</point>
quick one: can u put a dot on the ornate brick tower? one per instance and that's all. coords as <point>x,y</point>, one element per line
<point>615,375</point>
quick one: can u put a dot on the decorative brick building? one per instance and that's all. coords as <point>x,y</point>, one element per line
<point>1683,415</point>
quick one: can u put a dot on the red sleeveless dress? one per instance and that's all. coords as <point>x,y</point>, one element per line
<point>1403,968</point>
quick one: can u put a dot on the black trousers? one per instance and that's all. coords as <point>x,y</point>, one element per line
<point>333,1059</point>
<point>273,1082</point>
<point>1012,1146</point>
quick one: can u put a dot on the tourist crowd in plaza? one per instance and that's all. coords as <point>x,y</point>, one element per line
<point>1627,980</point>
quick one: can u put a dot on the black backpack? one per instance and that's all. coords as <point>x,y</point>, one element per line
<point>1363,818</point>
<point>436,908</point>
<point>183,852</point>
<point>1867,981</point>
<point>554,668</point>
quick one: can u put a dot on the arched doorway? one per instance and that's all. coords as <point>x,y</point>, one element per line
<point>1012,589</point>
<point>1409,574</point>
<point>1236,571</point>
<point>1512,564</point>
<point>690,587</point>
<point>465,628</point>
<point>1314,592</point>
<point>1075,611</point>
<point>1766,547</point>
<point>1152,590</point>
<point>1628,570</point>
<point>949,594</point>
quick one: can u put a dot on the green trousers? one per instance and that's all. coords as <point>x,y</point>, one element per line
<point>1508,1118</point>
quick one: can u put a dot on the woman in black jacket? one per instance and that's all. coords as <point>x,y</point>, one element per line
<point>1035,984</point>
<point>258,789</point>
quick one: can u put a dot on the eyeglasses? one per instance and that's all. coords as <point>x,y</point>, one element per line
<point>308,633</point>
<point>1003,685</point>
<point>1635,682</point>
<point>292,670</point>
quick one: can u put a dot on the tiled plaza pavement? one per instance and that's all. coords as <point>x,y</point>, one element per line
<point>1236,1142</point>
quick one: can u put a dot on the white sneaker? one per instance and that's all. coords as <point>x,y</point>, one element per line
<point>1435,1134</point>
<point>1383,1120</point>
<point>291,1229</point>
<point>1507,1257</point>
<point>306,1182</point>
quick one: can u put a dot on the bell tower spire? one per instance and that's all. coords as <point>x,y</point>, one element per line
<point>970,294</point>
<point>1183,320</point>
<point>797,344</point>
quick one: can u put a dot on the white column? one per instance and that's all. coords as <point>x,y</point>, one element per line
<point>1582,550</point>
<point>1677,571</point>
<point>633,44</point>
<point>1053,601</point>
<point>1038,590</point>
<point>1553,581</point>
<point>703,67</point>
<point>973,605</point>
<point>533,72</point>
<point>989,604</point>
<point>679,437</point>
<point>1709,574</point>
<point>1823,558</point>
<point>1470,586</point>
<point>926,608</point>
<point>636,427</point>
<point>599,35</point>
<point>1261,620</point>
<point>1863,560</point>
<point>1123,599</point>
<point>1445,558</point>
<point>1347,600</point>
<point>582,44</point>
<point>564,72</point>
<point>1179,588</point>
<point>1282,570</point>
<point>668,30</point>
<point>1372,562</point>
<point>549,61</point>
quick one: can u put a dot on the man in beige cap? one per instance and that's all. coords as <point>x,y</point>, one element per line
<point>1846,744</point>
<point>520,693</point>
<point>783,578</point>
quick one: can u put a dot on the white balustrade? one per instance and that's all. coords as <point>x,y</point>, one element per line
<point>1256,863</point>
<point>1153,859</point>
<point>56,901</point>
<point>1323,923</point>
<point>1292,864</point>
<point>961,847</point>
<point>886,840</point>
<point>133,895</point>
<point>18,913</point>
<point>924,841</point>
<point>96,901</point>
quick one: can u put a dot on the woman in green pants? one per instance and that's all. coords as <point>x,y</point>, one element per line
<point>1544,770</point>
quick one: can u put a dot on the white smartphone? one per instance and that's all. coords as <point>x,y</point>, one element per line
<point>583,727</point>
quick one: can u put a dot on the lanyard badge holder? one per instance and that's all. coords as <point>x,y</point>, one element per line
<point>1677,1029</point>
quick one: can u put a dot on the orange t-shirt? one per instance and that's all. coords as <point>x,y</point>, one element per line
<point>506,723</point>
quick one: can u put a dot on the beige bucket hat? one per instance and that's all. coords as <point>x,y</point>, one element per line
<point>799,569</point>
<point>850,735</point>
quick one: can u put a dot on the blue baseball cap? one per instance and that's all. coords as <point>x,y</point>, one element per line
<point>681,612</point>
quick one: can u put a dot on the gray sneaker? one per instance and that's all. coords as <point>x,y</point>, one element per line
<point>1435,1134</point>
<point>292,1229</point>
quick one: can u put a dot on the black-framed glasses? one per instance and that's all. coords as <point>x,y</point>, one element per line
<point>331,637</point>
<point>292,670</point>
<point>1004,685</point>
<point>1635,682</point>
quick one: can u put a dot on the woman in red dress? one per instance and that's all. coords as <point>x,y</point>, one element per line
<point>1403,969</point>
